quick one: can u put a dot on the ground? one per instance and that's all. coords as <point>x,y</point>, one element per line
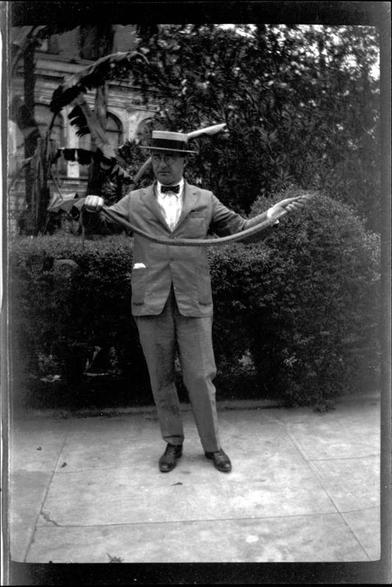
<point>305,487</point>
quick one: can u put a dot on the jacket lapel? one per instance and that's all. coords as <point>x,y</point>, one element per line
<point>151,202</point>
<point>190,195</point>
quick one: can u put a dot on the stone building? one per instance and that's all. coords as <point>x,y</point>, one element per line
<point>57,58</point>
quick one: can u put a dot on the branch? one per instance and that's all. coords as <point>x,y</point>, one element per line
<point>17,173</point>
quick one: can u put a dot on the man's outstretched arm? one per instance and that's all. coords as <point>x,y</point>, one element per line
<point>273,215</point>
<point>92,218</point>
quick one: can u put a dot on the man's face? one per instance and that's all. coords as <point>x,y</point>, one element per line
<point>168,166</point>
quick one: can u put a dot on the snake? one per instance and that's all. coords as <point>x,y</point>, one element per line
<point>192,242</point>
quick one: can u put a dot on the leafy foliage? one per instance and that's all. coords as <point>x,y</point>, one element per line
<point>87,297</point>
<point>107,166</point>
<point>318,304</point>
<point>301,105</point>
<point>300,102</point>
<point>113,66</point>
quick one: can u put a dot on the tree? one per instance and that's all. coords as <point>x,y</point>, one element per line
<point>331,133</point>
<point>104,158</point>
<point>37,149</point>
<point>300,103</point>
<point>40,151</point>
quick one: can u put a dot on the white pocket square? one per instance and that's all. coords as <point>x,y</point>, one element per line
<point>139,266</point>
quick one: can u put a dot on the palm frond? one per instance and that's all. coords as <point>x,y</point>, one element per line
<point>64,204</point>
<point>85,157</point>
<point>113,66</point>
<point>78,119</point>
<point>81,156</point>
<point>119,172</point>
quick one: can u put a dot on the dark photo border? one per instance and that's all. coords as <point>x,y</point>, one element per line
<point>377,14</point>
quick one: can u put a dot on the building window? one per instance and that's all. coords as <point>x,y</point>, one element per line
<point>114,130</point>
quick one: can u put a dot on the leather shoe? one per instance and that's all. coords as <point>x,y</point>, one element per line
<point>168,460</point>
<point>221,460</point>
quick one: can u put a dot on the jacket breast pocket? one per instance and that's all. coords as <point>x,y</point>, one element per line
<point>139,282</point>
<point>195,227</point>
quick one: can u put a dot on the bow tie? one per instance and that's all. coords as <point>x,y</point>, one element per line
<point>170,188</point>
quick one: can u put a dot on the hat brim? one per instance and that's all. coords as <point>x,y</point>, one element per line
<point>172,150</point>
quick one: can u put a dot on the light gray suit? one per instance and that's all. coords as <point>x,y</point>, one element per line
<point>172,303</point>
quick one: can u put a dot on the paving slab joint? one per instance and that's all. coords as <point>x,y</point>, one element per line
<point>47,518</point>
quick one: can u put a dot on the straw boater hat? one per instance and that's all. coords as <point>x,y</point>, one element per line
<point>162,140</point>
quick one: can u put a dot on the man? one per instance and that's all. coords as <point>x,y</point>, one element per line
<point>171,290</point>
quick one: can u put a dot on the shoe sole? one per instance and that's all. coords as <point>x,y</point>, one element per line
<point>222,470</point>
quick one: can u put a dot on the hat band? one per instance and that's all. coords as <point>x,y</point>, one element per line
<point>168,144</point>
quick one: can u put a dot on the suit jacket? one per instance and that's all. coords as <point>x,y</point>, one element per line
<point>156,267</point>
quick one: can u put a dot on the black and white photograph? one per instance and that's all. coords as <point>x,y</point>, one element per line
<point>196,281</point>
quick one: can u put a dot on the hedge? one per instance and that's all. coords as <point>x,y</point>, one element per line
<point>296,316</point>
<point>309,303</point>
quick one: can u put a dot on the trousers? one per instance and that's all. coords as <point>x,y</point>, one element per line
<point>162,338</point>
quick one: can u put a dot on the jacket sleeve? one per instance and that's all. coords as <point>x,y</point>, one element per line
<point>225,222</point>
<point>122,207</point>
<point>263,234</point>
<point>100,223</point>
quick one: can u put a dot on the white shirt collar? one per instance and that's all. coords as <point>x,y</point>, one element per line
<point>180,183</point>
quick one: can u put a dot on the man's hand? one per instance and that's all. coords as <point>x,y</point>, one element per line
<point>287,205</point>
<point>93,203</point>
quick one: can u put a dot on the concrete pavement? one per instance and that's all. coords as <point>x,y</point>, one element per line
<point>305,487</point>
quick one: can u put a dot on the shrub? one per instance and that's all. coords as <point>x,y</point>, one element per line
<point>66,301</point>
<point>295,316</point>
<point>313,304</point>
